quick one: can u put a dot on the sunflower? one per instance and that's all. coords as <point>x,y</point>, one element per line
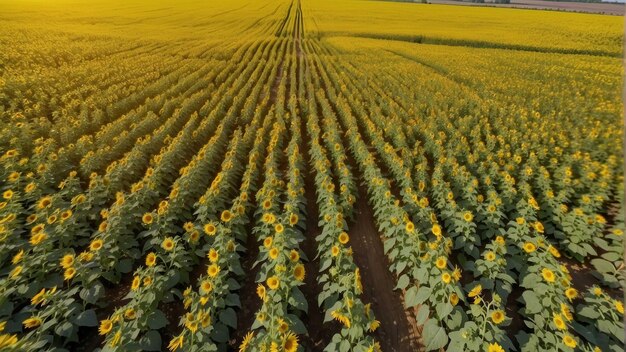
<point>343,238</point>
<point>436,230</point>
<point>38,238</point>
<point>210,229</point>
<point>554,251</point>
<point>446,278</point>
<point>571,293</point>
<point>294,256</point>
<point>279,228</point>
<point>467,216</point>
<point>490,256</point>
<point>273,253</point>
<point>409,227</point>
<point>290,342</point>
<point>548,275</point>
<point>454,299</point>
<point>130,314</point>
<point>103,226</point>
<point>116,338</point>
<point>559,322</point>
<point>261,292</point>
<point>18,257</point>
<point>619,306</point>
<point>96,245</point>
<point>335,251</point>
<point>151,259</point>
<point>32,322</point>
<point>105,326</point>
<point>7,194</point>
<point>147,218</point>
<point>497,316</point>
<point>176,343</point>
<point>44,202</point>
<point>136,282</point>
<point>226,216</point>
<point>246,341</point>
<point>441,262</point>
<point>69,273</point>
<point>293,219</point>
<point>495,347</point>
<point>569,341</point>
<point>206,286</point>
<point>475,291</point>
<point>67,261</point>
<point>213,255</point>
<point>147,281</point>
<point>273,282</point>
<point>168,244</point>
<point>213,270</point>
<point>299,272</point>
<point>538,227</point>
<point>267,242</point>
<point>66,215</point>
<point>529,247</point>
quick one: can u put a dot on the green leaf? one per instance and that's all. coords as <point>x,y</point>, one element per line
<point>422,314</point>
<point>403,282</point>
<point>151,341</point>
<point>229,317</point>
<point>532,302</point>
<point>157,320</point>
<point>410,297</point>
<point>435,336</point>
<point>87,318</point>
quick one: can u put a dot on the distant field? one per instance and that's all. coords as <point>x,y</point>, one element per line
<point>590,7</point>
<point>309,175</point>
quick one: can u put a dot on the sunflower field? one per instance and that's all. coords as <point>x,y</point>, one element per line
<point>309,175</point>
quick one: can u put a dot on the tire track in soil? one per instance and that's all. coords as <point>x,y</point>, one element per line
<point>398,331</point>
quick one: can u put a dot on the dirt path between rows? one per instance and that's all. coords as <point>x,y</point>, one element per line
<point>398,331</point>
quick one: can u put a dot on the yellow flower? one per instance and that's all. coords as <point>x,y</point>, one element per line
<point>335,251</point>
<point>18,257</point>
<point>210,229</point>
<point>130,314</point>
<point>445,277</point>
<point>497,316</point>
<point>520,221</point>
<point>136,282</point>
<point>95,245</point>
<point>151,259</point>
<point>147,218</point>
<point>500,240</point>
<point>619,306</point>
<point>569,341</point>
<point>116,339</point>
<point>273,253</point>
<point>538,227</point>
<point>299,272</point>
<point>409,227</point>
<point>273,282</point>
<point>467,216</point>
<point>566,312</point>
<point>597,291</point>
<point>490,256</point>
<point>475,291</point>
<point>176,343</point>
<point>7,194</point>
<point>548,275</point>
<point>69,273</point>
<point>16,271</point>
<point>343,238</point>
<point>246,341</point>
<point>293,219</point>
<point>44,202</point>
<point>213,255</point>
<point>168,244</point>
<point>279,228</point>
<point>559,322</point>
<point>290,342</point>
<point>32,322</point>
<point>67,261</point>
<point>261,292</point>
<point>105,326</point>
<point>554,251</point>
<point>213,270</point>
<point>571,293</point>
<point>529,247</point>
<point>441,262</point>
<point>436,230</point>
<point>206,287</point>
<point>226,216</point>
<point>495,347</point>
<point>38,238</point>
<point>38,298</point>
<point>454,299</point>
<point>294,256</point>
